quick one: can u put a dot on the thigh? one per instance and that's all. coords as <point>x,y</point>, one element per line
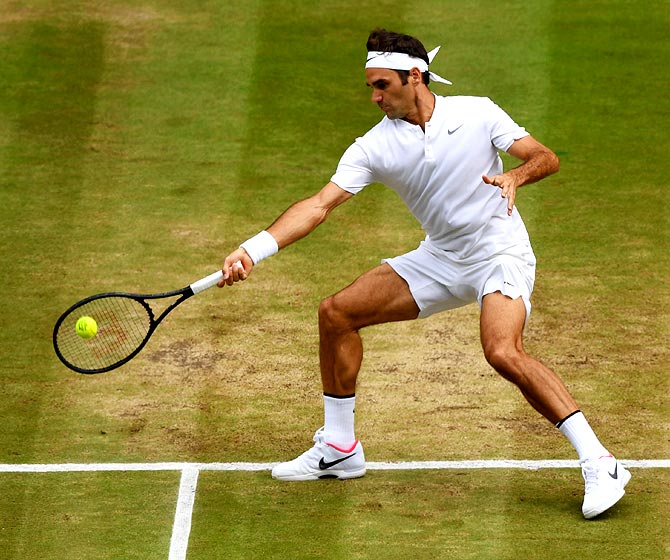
<point>378,296</point>
<point>501,322</point>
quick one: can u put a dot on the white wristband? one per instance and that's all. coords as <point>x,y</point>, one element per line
<point>260,246</point>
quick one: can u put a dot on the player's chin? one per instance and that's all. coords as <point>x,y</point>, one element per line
<point>387,110</point>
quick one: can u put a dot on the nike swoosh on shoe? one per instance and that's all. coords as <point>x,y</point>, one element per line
<point>615,476</point>
<point>324,465</point>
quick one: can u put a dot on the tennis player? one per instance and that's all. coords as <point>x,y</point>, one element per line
<point>441,155</point>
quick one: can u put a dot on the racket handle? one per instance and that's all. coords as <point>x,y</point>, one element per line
<point>207,282</point>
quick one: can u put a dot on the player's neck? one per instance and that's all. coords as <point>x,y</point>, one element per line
<point>424,105</point>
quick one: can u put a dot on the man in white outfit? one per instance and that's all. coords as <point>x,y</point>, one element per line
<point>441,155</point>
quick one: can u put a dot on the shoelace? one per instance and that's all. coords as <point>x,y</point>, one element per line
<point>318,436</point>
<point>590,477</point>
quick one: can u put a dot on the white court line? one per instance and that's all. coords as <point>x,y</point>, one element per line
<point>181,528</point>
<point>371,465</point>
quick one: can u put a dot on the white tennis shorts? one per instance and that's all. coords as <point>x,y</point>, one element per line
<point>437,283</point>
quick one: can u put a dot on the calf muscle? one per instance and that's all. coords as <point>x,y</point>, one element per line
<point>378,296</point>
<point>501,325</point>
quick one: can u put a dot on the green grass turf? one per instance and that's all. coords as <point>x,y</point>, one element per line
<point>141,142</point>
<point>425,514</point>
<point>87,515</point>
<point>463,514</point>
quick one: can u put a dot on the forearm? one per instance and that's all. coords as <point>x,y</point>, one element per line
<point>297,222</point>
<point>540,163</point>
<point>305,216</point>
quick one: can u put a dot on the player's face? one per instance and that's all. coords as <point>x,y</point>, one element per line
<point>394,98</point>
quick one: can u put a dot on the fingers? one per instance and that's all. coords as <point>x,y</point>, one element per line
<point>232,273</point>
<point>237,272</point>
<point>511,197</point>
<point>236,268</point>
<point>511,200</point>
<point>507,189</point>
<point>496,180</point>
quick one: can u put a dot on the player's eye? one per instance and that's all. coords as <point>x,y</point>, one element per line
<point>381,84</point>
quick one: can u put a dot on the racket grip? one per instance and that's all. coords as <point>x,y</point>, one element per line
<point>207,282</point>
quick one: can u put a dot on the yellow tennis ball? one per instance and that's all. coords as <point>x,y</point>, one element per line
<point>86,327</point>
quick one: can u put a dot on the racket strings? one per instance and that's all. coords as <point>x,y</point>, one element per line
<point>123,324</point>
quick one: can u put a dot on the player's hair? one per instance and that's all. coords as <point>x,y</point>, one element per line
<point>382,40</point>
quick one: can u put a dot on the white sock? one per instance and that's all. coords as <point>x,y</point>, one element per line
<point>578,431</point>
<point>339,421</point>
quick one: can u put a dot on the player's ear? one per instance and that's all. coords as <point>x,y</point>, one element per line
<point>415,76</point>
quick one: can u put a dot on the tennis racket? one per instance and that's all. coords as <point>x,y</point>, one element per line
<point>125,323</point>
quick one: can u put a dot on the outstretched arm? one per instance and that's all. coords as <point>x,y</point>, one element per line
<point>538,162</point>
<point>303,217</point>
<point>296,222</point>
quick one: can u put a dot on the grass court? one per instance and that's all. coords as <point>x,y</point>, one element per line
<point>141,141</point>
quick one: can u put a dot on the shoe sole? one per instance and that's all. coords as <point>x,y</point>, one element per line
<point>590,514</point>
<point>321,475</point>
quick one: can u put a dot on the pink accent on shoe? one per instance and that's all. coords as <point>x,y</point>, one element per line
<point>341,449</point>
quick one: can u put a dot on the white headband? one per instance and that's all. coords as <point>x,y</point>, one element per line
<point>402,61</point>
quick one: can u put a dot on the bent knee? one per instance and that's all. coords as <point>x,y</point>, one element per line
<point>333,316</point>
<point>507,361</point>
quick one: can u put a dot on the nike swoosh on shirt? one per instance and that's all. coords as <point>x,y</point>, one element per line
<point>452,130</point>
<point>323,464</point>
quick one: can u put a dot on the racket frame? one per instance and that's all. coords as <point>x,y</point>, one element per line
<point>184,293</point>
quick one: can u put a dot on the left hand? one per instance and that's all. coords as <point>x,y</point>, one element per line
<point>507,186</point>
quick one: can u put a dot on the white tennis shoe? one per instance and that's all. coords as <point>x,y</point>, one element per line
<point>323,460</point>
<point>604,482</point>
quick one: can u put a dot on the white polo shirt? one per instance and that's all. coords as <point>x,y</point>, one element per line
<point>438,174</point>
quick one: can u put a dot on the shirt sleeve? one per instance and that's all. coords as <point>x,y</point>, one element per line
<point>353,172</point>
<point>504,131</point>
